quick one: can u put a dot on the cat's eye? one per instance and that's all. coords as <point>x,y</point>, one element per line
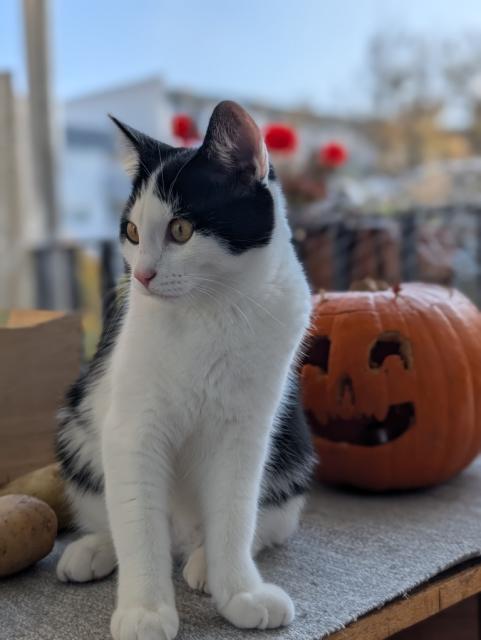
<point>180,230</point>
<point>132,232</point>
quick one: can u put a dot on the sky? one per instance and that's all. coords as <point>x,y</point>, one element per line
<point>287,52</point>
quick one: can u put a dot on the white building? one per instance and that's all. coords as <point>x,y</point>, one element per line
<point>93,187</point>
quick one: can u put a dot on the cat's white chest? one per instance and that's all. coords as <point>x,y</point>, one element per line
<point>169,363</point>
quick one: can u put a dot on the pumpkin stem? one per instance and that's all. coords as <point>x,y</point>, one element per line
<point>369,284</point>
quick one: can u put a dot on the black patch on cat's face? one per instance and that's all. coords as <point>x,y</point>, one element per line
<point>233,207</point>
<point>237,211</point>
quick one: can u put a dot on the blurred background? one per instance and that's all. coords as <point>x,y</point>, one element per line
<point>371,110</point>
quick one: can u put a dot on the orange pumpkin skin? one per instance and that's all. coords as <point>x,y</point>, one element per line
<point>415,351</point>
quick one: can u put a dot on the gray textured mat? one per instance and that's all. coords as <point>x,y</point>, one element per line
<point>353,553</point>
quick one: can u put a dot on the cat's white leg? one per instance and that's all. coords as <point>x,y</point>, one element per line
<point>275,525</point>
<point>137,474</point>
<point>91,557</point>
<point>230,493</point>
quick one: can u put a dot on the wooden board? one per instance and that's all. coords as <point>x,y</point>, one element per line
<point>40,357</point>
<point>21,318</point>
<point>435,596</point>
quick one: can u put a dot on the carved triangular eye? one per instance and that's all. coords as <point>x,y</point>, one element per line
<point>319,348</point>
<point>390,343</point>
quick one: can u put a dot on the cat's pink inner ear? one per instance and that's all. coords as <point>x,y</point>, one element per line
<point>234,140</point>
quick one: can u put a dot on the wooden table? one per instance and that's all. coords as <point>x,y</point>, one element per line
<point>447,589</point>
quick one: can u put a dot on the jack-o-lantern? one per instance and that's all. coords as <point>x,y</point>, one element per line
<point>392,386</point>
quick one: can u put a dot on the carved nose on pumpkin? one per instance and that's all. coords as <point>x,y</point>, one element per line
<point>346,391</point>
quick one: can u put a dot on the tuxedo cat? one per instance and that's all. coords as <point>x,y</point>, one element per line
<point>186,435</point>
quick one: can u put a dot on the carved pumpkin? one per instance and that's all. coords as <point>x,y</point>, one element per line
<point>392,386</point>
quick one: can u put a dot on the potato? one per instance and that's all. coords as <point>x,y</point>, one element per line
<point>28,528</point>
<point>45,484</point>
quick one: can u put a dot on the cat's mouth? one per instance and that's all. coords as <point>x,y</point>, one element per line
<point>158,293</point>
<point>366,431</point>
<point>142,289</point>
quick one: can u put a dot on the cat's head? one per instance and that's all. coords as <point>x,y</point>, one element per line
<point>198,218</point>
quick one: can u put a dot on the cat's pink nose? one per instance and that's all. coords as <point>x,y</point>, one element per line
<point>145,277</point>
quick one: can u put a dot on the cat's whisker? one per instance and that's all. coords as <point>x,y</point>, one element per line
<point>241,293</point>
<point>177,176</point>
<point>147,170</point>
<point>161,170</point>
<point>212,292</point>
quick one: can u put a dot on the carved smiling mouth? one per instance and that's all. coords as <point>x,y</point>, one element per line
<point>366,431</point>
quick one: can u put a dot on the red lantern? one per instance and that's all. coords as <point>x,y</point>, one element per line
<point>184,127</point>
<point>280,138</point>
<point>333,155</point>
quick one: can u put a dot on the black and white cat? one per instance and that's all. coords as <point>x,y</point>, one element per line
<point>186,435</point>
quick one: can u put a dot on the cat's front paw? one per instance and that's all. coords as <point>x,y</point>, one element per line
<point>89,558</point>
<point>195,571</point>
<point>137,623</point>
<point>266,607</point>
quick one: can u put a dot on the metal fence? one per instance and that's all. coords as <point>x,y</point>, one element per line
<point>440,245</point>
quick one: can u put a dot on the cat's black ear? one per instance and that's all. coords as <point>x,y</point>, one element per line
<point>234,141</point>
<point>141,152</point>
